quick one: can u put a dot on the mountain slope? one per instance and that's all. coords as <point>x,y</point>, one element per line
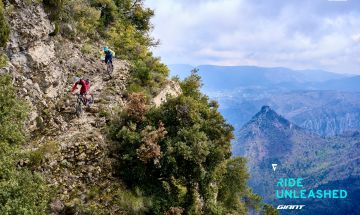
<point>345,84</point>
<point>71,152</point>
<point>269,138</point>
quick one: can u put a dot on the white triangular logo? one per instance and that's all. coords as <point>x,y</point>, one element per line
<point>274,165</point>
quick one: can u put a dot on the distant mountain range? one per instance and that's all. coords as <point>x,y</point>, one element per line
<point>323,102</point>
<point>327,163</point>
<point>327,113</point>
<point>222,78</point>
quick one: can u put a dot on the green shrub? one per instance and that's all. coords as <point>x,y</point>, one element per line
<point>4,27</point>
<point>132,202</point>
<point>54,8</point>
<point>269,210</point>
<point>132,43</point>
<point>141,18</point>
<point>86,18</point>
<point>37,156</point>
<point>21,191</point>
<point>87,48</point>
<point>134,12</point>
<point>103,200</point>
<point>104,113</point>
<point>109,11</point>
<point>13,112</point>
<point>3,60</point>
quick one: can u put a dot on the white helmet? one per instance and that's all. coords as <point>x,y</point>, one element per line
<point>76,79</point>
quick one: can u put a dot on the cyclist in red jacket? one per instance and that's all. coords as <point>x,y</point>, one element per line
<point>85,85</point>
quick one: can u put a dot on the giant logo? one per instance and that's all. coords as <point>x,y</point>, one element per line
<point>290,207</point>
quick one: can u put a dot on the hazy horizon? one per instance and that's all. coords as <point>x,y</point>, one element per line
<point>268,67</point>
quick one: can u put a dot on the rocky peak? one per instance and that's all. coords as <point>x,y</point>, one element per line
<point>265,109</point>
<point>266,133</point>
<point>267,117</point>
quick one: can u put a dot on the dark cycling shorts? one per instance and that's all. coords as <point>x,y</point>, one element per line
<point>108,58</point>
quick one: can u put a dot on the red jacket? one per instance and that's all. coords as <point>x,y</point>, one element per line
<point>85,86</point>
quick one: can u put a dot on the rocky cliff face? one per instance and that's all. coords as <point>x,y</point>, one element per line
<point>44,67</point>
<point>72,152</point>
<point>329,121</point>
<point>172,88</point>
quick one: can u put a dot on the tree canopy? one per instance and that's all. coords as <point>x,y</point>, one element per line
<point>182,149</point>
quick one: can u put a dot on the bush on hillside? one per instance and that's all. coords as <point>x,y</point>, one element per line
<point>147,71</point>
<point>269,210</point>
<point>13,112</point>
<point>54,8</point>
<point>3,60</point>
<point>109,11</point>
<point>21,191</point>
<point>4,27</point>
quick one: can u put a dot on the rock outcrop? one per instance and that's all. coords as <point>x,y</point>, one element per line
<point>171,88</point>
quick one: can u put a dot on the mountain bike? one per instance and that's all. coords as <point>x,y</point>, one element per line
<point>83,99</point>
<point>109,68</point>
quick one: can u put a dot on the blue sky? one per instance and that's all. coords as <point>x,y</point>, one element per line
<point>299,34</point>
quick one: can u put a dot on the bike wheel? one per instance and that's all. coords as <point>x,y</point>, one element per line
<point>90,101</point>
<point>78,107</point>
<point>110,68</point>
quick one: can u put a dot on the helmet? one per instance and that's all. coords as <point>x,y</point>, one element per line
<point>106,49</point>
<point>76,79</point>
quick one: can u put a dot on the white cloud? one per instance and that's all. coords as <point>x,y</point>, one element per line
<point>355,37</point>
<point>295,34</point>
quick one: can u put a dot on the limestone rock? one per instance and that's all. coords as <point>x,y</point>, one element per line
<point>67,29</point>
<point>57,205</point>
<point>172,88</point>
<point>42,53</point>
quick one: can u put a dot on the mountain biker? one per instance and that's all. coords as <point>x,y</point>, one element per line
<point>85,85</point>
<point>109,54</point>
